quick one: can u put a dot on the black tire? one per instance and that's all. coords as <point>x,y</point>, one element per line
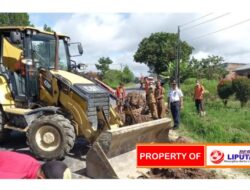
<point>57,131</point>
<point>4,133</point>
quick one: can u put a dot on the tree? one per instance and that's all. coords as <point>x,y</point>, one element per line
<point>47,28</point>
<point>14,19</point>
<point>159,49</point>
<point>225,90</point>
<point>103,65</point>
<point>210,67</point>
<point>241,87</point>
<point>127,75</point>
<point>112,78</point>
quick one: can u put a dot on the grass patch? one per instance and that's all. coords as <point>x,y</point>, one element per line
<point>221,124</point>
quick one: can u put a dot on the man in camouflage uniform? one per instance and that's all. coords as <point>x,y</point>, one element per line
<point>159,96</point>
<point>152,102</point>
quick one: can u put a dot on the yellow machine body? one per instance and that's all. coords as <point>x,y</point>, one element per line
<point>54,106</point>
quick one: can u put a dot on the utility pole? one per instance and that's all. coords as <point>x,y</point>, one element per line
<point>177,72</point>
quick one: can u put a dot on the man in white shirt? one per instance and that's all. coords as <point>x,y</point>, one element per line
<point>175,103</point>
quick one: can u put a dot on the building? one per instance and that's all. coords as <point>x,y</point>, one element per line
<point>231,68</point>
<point>243,70</point>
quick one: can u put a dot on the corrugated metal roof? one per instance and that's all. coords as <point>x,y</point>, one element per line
<point>245,67</point>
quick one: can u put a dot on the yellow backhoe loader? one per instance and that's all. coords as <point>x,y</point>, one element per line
<point>42,97</point>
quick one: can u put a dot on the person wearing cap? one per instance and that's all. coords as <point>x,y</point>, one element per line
<point>120,94</point>
<point>199,91</point>
<point>152,102</point>
<point>15,165</point>
<point>159,96</point>
<point>175,103</point>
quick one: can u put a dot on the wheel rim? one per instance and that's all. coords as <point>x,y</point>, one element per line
<point>48,138</point>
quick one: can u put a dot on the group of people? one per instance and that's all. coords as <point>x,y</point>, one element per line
<point>155,99</point>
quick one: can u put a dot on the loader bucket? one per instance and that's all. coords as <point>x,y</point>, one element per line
<point>113,154</point>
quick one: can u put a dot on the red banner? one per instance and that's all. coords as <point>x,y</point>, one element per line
<point>157,155</point>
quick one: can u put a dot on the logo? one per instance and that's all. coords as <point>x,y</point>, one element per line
<point>216,156</point>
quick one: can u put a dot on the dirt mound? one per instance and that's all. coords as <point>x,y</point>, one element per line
<point>136,100</point>
<point>181,173</point>
<point>139,116</point>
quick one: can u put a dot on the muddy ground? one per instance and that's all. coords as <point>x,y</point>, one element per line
<point>182,173</point>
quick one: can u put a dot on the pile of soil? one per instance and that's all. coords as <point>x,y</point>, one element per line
<point>138,105</point>
<point>140,116</point>
<point>136,100</point>
<point>181,173</point>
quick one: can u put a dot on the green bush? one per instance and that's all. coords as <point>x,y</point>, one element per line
<point>241,87</point>
<point>112,78</point>
<point>225,90</point>
<point>127,75</point>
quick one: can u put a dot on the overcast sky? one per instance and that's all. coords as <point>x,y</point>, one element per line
<point>117,35</point>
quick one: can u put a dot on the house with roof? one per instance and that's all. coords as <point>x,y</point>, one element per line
<point>243,70</point>
<point>231,67</point>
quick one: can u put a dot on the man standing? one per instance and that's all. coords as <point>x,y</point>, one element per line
<point>175,103</point>
<point>152,102</point>
<point>159,96</point>
<point>15,165</point>
<point>120,94</point>
<point>199,90</point>
<point>146,88</point>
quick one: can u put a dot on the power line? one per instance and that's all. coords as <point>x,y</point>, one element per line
<point>194,20</point>
<point>210,20</point>
<point>178,56</point>
<point>222,29</point>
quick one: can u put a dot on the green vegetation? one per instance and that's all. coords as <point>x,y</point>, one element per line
<point>114,77</point>
<point>222,124</point>
<point>14,19</point>
<point>103,65</point>
<point>225,90</point>
<point>209,68</point>
<point>159,49</point>
<point>241,87</point>
<point>47,28</point>
<point>127,75</point>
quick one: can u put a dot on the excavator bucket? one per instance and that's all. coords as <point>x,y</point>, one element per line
<point>113,154</point>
